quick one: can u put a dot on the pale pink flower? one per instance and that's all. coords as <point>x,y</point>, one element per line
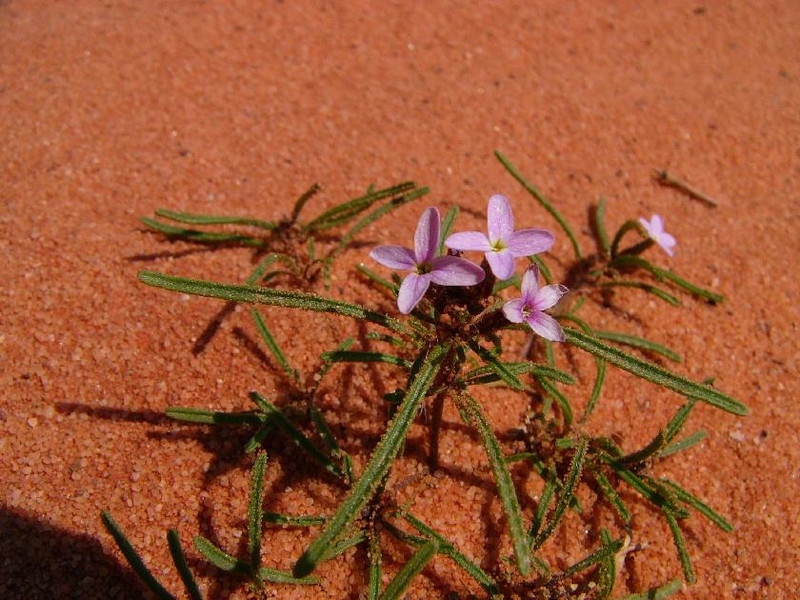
<point>530,307</point>
<point>426,266</point>
<point>655,231</point>
<point>503,245</point>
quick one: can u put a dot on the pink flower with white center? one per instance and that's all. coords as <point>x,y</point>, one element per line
<point>529,309</point>
<point>503,245</point>
<point>655,231</point>
<point>426,266</point>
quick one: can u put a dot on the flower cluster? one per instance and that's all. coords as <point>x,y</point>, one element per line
<point>501,247</point>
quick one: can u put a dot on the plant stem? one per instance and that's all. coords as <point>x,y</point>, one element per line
<point>436,425</point>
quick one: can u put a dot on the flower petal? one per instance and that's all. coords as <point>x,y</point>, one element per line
<point>502,263</point>
<point>657,225</point>
<point>500,219</point>
<point>469,240</point>
<point>452,270</point>
<point>525,242</point>
<point>513,310</point>
<point>548,296</point>
<point>667,242</point>
<point>530,284</point>
<point>647,227</point>
<point>426,237</point>
<point>394,257</point>
<point>546,326</point>
<point>411,291</point>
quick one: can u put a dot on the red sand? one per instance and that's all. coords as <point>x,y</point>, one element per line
<point>110,109</point>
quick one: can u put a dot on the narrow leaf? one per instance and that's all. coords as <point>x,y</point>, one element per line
<point>378,465</point>
<point>603,553</point>
<point>366,357</point>
<point>679,420</point>
<point>611,495</point>
<point>277,576</point>
<point>220,559</point>
<point>212,417</point>
<point>501,369</point>
<point>684,444</point>
<point>544,202</point>
<point>299,438</point>
<point>255,511</point>
<point>680,545</point>
<point>646,287</point>
<point>301,201</point>
<point>273,345</point>
<point>661,274</point>
<point>133,558</point>
<point>410,570</point>
<point>566,494</point>
<point>448,549</point>
<point>267,296</point>
<point>202,237</point>
<point>654,373</point>
<point>374,584</point>
<point>698,505</point>
<point>600,227</point>
<point>193,219</point>
<point>447,225</point>
<point>179,558</point>
<point>290,521</point>
<point>637,342</point>
<point>502,478</point>
<point>659,593</point>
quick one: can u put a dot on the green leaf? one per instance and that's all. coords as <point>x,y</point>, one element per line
<point>611,495</point>
<point>379,464</point>
<point>698,505</point>
<point>566,494</point>
<point>370,274</point>
<point>646,287</point>
<point>679,420</point>
<point>212,417</point>
<point>255,511</point>
<point>684,444</point>
<point>277,576</point>
<point>658,593</point>
<point>680,545</point>
<point>543,269</point>
<point>259,436</point>
<point>341,546</point>
<point>637,342</point>
<point>202,237</point>
<point>544,503</point>
<point>374,216</point>
<point>600,227</point>
<point>337,356</point>
<point>346,211</point>
<point>220,559</point>
<point>447,226</point>
<point>193,219</point>
<point>292,521</point>
<point>267,296</point>
<point>654,373</point>
<point>605,552</point>
<point>561,399</point>
<point>301,201</point>
<point>627,226</point>
<point>374,584</point>
<point>274,347</point>
<point>410,570</point>
<point>299,438</point>
<point>662,274</point>
<point>607,575</point>
<point>179,558</point>
<point>513,281</point>
<point>133,558</point>
<point>639,456</point>
<point>502,478</point>
<point>597,388</point>
<point>485,374</point>
<point>544,202</point>
<point>448,549</point>
<point>500,369</point>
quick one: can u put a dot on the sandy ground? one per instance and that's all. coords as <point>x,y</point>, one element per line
<point>111,109</point>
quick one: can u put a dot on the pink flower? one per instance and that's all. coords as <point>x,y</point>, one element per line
<point>503,245</point>
<point>655,231</point>
<point>529,309</point>
<point>426,266</point>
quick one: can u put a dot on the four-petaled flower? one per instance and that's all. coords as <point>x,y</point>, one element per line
<point>426,266</point>
<point>529,309</point>
<point>655,231</point>
<point>503,244</point>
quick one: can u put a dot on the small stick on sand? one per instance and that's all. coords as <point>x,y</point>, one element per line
<point>665,178</point>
